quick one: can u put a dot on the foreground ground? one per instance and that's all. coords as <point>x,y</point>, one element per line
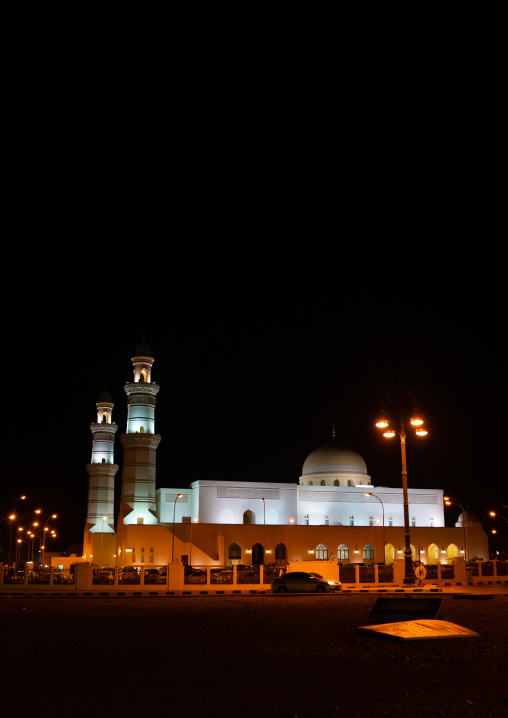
<point>273,656</point>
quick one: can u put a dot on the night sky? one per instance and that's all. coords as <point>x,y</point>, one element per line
<point>287,268</point>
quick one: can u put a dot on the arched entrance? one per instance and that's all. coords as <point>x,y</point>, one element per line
<point>389,553</point>
<point>258,555</point>
<point>452,552</point>
<point>248,517</point>
<point>433,554</point>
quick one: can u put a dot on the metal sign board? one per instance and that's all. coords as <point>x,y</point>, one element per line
<point>419,630</point>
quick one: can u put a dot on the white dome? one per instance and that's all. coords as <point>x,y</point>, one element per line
<point>334,458</point>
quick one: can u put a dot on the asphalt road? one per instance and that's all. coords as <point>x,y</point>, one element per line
<point>252,655</point>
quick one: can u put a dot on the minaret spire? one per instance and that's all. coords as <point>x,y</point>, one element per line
<point>140,443</point>
<point>101,486</point>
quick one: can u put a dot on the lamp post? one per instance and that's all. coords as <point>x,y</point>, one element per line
<point>498,516</point>
<point>264,529</point>
<point>12,517</point>
<point>178,496</point>
<point>53,516</point>
<point>449,502</point>
<point>374,496</point>
<point>291,521</point>
<point>388,432</point>
<point>37,511</point>
<point>102,536</point>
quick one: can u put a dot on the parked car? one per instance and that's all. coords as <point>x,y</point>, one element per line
<point>300,581</point>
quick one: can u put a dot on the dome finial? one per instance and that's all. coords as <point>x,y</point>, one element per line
<point>333,432</point>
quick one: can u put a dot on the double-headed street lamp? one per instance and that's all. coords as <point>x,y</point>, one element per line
<point>374,496</point>
<point>416,421</point>
<point>179,496</point>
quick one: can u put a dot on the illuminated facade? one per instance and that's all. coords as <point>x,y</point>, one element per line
<point>334,499</point>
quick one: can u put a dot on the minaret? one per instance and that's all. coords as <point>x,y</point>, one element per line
<point>101,471</point>
<point>140,444</point>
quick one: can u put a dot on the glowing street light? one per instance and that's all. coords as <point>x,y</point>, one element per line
<point>12,517</point>
<point>455,502</point>
<point>374,496</point>
<point>388,432</point>
<point>498,516</point>
<point>179,496</point>
<point>36,511</point>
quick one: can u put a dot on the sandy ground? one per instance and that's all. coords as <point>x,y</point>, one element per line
<point>280,656</point>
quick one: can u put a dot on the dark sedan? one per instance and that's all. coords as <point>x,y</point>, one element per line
<point>300,582</point>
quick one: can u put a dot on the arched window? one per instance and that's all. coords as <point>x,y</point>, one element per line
<point>280,552</point>
<point>336,482</point>
<point>226,517</point>
<point>310,483</point>
<point>105,418</point>
<point>322,552</point>
<point>368,552</point>
<point>349,483</point>
<point>248,517</point>
<point>234,552</point>
<point>343,552</point>
<point>141,429</point>
<point>323,482</point>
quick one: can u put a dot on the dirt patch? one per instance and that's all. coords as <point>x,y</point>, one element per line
<point>279,656</point>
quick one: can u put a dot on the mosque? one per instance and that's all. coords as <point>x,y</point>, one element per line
<point>334,512</point>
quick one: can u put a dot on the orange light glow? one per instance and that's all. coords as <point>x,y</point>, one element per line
<point>389,434</point>
<point>421,432</point>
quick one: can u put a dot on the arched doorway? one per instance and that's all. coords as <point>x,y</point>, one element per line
<point>248,517</point>
<point>452,552</point>
<point>389,553</point>
<point>258,555</point>
<point>433,554</point>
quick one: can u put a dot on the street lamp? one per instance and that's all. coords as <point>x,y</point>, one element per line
<point>498,516</point>
<point>384,424</point>
<point>12,517</point>
<point>37,511</point>
<point>291,521</point>
<point>179,496</point>
<point>368,493</point>
<point>449,502</point>
<point>53,516</point>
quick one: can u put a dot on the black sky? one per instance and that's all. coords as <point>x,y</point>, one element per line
<point>287,268</point>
